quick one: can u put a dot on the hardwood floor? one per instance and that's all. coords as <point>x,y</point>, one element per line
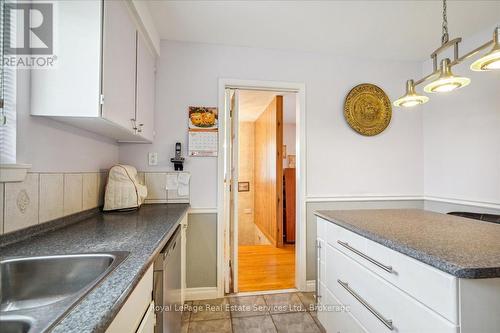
<point>265,267</point>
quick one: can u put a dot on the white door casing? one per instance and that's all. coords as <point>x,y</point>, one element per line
<point>231,193</point>
<point>223,211</point>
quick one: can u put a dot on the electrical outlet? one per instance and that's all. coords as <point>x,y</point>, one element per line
<point>153,158</point>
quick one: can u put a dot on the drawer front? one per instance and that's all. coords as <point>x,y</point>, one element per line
<point>334,317</point>
<point>434,288</point>
<point>377,304</point>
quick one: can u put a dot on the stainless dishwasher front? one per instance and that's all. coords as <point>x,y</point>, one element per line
<point>167,286</point>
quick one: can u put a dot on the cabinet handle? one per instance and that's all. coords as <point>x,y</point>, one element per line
<point>317,297</point>
<point>386,322</point>
<point>364,256</point>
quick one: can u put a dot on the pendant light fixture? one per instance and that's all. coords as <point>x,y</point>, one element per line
<point>490,61</point>
<point>446,81</point>
<point>442,79</point>
<point>411,98</point>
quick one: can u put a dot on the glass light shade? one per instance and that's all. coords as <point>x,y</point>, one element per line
<point>491,60</point>
<point>446,81</point>
<point>411,98</point>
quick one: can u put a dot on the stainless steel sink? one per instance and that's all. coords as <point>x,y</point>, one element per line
<point>35,292</point>
<point>15,324</point>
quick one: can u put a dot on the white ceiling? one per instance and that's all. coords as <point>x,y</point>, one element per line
<point>402,30</point>
<point>252,103</point>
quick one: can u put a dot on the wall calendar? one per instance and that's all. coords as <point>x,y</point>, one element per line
<point>203,131</point>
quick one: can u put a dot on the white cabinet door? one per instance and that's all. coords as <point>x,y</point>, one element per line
<point>145,100</point>
<point>119,64</point>
<point>72,87</point>
<point>149,321</point>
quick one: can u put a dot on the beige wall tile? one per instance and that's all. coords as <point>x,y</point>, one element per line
<point>101,186</point>
<point>73,188</point>
<point>1,207</point>
<point>90,191</point>
<point>141,178</point>
<point>156,184</point>
<point>51,196</point>
<point>21,203</point>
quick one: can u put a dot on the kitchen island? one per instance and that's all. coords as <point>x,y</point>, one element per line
<point>408,270</point>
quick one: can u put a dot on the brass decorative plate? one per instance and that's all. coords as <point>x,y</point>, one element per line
<point>367,109</point>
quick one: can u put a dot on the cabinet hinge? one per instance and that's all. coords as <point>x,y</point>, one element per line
<point>101,99</point>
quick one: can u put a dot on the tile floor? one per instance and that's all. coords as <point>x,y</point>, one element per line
<point>287,312</point>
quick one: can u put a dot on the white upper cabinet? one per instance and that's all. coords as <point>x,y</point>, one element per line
<point>73,87</point>
<point>103,80</point>
<point>145,98</point>
<point>118,65</point>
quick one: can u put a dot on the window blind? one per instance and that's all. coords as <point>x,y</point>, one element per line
<point>7,94</point>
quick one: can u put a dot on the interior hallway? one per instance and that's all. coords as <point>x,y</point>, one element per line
<point>265,267</point>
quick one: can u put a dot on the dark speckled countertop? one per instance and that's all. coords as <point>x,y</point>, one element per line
<point>460,246</point>
<point>143,233</point>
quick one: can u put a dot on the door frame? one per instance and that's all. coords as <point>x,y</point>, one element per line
<point>300,223</point>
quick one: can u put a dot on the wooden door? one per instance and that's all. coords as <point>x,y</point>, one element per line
<point>119,64</point>
<point>268,170</point>
<point>289,205</point>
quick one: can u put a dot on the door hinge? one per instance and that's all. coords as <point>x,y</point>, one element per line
<point>101,99</point>
<point>1,103</point>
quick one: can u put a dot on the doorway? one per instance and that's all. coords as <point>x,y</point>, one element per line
<point>261,174</point>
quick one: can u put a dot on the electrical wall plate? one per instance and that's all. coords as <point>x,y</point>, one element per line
<point>153,158</point>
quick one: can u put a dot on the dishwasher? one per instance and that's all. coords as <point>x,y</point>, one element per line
<point>167,286</point>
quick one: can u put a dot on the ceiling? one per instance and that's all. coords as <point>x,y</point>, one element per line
<point>253,102</point>
<point>402,30</point>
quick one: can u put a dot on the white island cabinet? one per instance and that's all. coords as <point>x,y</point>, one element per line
<point>363,286</point>
<point>103,79</point>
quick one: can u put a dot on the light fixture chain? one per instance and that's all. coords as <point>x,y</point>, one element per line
<point>445,38</point>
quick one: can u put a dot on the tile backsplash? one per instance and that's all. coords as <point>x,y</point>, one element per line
<point>43,197</point>
<point>156,182</point>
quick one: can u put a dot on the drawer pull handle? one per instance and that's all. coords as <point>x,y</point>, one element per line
<point>386,322</point>
<point>370,259</point>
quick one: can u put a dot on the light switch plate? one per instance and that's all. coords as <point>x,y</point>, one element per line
<point>153,158</point>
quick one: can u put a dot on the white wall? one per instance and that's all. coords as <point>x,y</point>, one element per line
<point>462,135</point>
<point>50,146</point>
<point>289,128</point>
<point>289,137</point>
<point>339,161</point>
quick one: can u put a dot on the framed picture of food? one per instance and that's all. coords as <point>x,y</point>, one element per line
<point>201,117</point>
